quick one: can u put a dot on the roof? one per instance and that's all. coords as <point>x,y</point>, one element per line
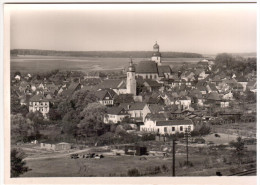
<point>116,111</point>
<point>157,116</point>
<point>147,67</point>
<point>174,122</point>
<point>213,96</point>
<point>155,108</point>
<point>38,98</point>
<point>152,83</point>
<point>71,89</point>
<point>101,94</point>
<point>164,69</point>
<point>112,84</point>
<point>133,106</point>
<point>242,79</point>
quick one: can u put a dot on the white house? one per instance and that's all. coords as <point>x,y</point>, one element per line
<point>39,103</point>
<point>167,126</point>
<point>115,115</point>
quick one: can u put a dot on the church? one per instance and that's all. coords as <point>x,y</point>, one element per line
<point>153,69</point>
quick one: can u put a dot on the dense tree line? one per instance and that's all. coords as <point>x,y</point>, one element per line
<point>106,54</point>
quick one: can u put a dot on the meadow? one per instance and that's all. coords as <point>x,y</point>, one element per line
<point>34,64</point>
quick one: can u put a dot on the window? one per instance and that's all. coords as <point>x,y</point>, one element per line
<point>189,128</point>
<point>165,129</point>
<point>181,128</point>
<point>173,129</point>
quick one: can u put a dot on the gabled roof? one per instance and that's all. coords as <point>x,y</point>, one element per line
<point>38,98</point>
<point>155,108</point>
<point>71,89</point>
<point>112,84</point>
<point>242,79</point>
<point>213,87</point>
<point>164,69</point>
<point>133,106</point>
<point>152,83</point>
<point>101,94</point>
<point>157,116</point>
<point>146,67</point>
<point>174,122</point>
<point>214,96</point>
<point>116,111</point>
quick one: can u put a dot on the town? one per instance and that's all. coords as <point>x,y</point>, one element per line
<point>129,118</point>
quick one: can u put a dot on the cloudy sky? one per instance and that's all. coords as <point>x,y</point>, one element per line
<point>202,28</point>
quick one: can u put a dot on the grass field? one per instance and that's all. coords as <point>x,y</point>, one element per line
<point>205,159</point>
<point>32,64</point>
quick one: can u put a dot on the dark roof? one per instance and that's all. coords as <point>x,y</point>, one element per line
<point>117,111</point>
<point>213,87</point>
<point>157,116</point>
<point>242,79</point>
<point>71,89</point>
<point>133,106</point>
<point>174,122</point>
<point>213,96</point>
<point>152,83</point>
<point>38,98</point>
<point>147,67</point>
<point>111,84</point>
<point>164,69</point>
<point>101,94</point>
<point>155,108</point>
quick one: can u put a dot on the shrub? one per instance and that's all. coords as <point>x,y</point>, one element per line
<point>133,172</point>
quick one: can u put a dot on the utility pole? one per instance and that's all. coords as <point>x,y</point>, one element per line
<point>173,157</point>
<point>187,135</point>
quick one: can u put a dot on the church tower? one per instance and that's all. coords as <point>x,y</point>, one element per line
<point>131,81</point>
<point>156,54</point>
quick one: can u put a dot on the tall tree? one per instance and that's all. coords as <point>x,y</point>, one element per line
<point>18,165</point>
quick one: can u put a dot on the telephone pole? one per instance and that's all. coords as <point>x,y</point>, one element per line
<point>173,157</point>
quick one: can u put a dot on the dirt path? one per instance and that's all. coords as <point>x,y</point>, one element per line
<point>56,155</point>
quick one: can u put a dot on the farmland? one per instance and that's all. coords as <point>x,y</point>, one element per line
<point>34,64</point>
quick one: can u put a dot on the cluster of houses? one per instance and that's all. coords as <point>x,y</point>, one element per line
<point>152,95</point>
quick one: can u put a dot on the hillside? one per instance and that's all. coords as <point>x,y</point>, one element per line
<point>104,54</point>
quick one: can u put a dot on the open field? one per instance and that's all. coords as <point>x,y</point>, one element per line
<point>32,64</point>
<point>206,161</point>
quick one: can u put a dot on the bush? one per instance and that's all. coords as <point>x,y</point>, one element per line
<point>133,172</point>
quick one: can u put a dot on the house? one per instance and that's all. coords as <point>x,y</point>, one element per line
<point>56,147</point>
<point>39,103</point>
<point>117,85</point>
<point>224,103</point>
<point>243,81</point>
<point>184,102</point>
<point>167,126</point>
<point>115,115</point>
<point>211,88</point>
<point>71,89</point>
<point>17,77</point>
<point>105,97</point>
<point>251,86</point>
<point>151,85</point>
<point>213,98</point>
<point>137,111</point>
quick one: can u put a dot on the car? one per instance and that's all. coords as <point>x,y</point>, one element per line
<point>210,143</point>
<point>74,156</point>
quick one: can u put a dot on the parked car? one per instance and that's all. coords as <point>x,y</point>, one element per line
<point>74,156</point>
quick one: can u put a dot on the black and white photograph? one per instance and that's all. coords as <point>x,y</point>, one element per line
<point>132,90</point>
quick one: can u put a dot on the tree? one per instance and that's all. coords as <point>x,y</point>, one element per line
<point>92,123</point>
<point>21,128</point>
<point>239,146</point>
<point>17,163</point>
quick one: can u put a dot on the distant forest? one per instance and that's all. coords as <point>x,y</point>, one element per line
<point>104,54</point>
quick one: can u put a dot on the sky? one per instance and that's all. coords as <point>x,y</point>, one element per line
<point>199,28</point>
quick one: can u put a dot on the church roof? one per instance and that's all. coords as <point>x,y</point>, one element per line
<point>147,67</point>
